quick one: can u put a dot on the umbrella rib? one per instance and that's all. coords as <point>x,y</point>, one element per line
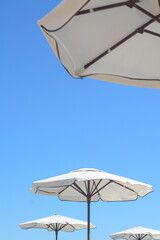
<point>124,186</point>
<point>52,228</point>
<point>132,236</point>
<point>102,188</point>
<point>64,189</point>
<point>139,236</point>
<point>153,33</point>
<point>92,188</point>
<point>69,225</point>
<point>138,30</point>
<point>86,186</point>
<point>130,3</point>
<point>96,9</point>
<point>147,13</point>
<point>109,50</point>
<point>57,226</point>
<point>62,226</point>
<point>96,186</point>
<point>77,188</point>
<point>144,236</point>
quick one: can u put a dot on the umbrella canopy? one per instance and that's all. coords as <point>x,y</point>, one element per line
<point>137,233</point>
<point>86,185</point>
<point>56,223</point>
<point>112,40</point>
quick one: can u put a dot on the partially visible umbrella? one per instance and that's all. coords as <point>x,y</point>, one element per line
<point>137,233</point>
<point>56,223</point>
<point>86,185</point>
<point>112,40</point>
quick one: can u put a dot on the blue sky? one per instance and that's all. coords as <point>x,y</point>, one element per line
<point>51,124</point>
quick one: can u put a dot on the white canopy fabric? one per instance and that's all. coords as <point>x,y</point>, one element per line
<point>58,222</point>
<point>103,185</point>
<point>138,233</point>
<point>112,40</point>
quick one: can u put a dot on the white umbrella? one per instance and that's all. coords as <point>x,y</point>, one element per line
<point>86,185</point>
<point>56,223</point>
<point>111,40</point>
<point>137,233</point>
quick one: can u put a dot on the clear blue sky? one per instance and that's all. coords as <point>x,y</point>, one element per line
<point>51,123</point>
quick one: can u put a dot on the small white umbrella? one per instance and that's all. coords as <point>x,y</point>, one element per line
<point>56,223</point>
<point>137,233</point>
<point>111,40</point>
<point>86,185</point>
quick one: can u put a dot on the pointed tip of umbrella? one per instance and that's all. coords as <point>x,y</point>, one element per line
<point>19,225</point>
<point>93,226</point>
<point>149,191</point>
<point>31,190</point>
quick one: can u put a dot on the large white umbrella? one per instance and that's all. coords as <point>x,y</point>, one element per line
<point>137,233</point>
<point>111,40</point>
<point>56,223</point>
<point>86,185</point>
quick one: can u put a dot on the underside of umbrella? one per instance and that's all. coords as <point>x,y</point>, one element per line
<point>77,185</point>
<point>56,223</point>
<point>91,185</point>
<point>111,40</point>
<point>137,233</point>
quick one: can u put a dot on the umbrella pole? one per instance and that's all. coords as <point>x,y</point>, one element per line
<point>88,206</point>
<point>88,203</point>
<point>56,232</point>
